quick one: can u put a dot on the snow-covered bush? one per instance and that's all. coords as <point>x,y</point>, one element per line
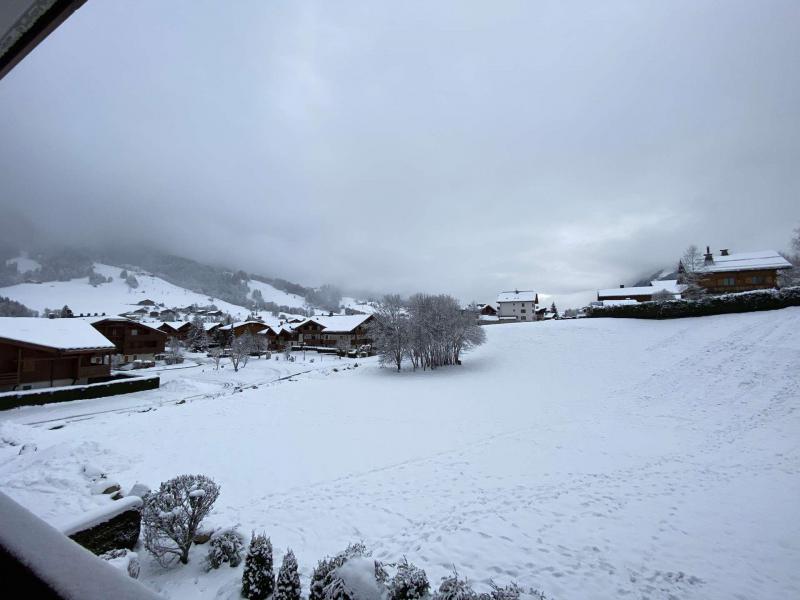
<point>511,591</point>
<point>454,588</point>
<point>359,578</point>
<point>287,586</point>
<point>258,579</point>
<point>172,514</point>
<point>225,547</point>
<point>123,559</point>
<point>322,575</point>
<point>408,583</point>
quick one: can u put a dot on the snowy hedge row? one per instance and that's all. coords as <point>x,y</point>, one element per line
<point>708,305</point>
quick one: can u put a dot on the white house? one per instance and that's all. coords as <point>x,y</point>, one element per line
<point>519,305</point>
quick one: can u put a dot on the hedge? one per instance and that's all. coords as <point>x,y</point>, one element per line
<point>709,305</point>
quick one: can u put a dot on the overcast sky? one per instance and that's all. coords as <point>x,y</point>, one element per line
<point>462,147</point>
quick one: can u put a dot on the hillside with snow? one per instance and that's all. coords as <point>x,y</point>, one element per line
<point>117,297</point>
<point>593,458</point>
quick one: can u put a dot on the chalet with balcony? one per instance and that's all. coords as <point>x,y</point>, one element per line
<point>37,353</point>
<point>741,272</point>
<point>132,340</point>
<point>345,332</point>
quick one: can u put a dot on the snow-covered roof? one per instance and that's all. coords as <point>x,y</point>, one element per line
<point>239,324</point>
<point>746,261</point>
<point>337,323</point>
<point>61,334</point>
<point>517,296</point>
<point>668,285</point>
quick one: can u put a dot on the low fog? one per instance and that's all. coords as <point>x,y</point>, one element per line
<point>447,147</point>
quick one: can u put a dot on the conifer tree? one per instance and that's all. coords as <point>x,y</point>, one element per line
<point>288,585</point>
<point>258,579</point>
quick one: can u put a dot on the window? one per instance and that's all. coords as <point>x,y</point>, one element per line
<point>757,279</point>
<point>523,318</point>
<point>729,281</point>
<point>134,332</point>
<point>522,310</point>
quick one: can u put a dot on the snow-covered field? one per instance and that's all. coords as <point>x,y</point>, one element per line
<point>594,458</point>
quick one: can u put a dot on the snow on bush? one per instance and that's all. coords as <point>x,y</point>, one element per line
<point>356,579</point>
<point>287,587</point>
<point>225,547</point>
<point>323,572</point>
<point>258,579</point>
<point>124,560</point>
<point>408,583</point>
<point>172,514</point>
<point>454,588</point>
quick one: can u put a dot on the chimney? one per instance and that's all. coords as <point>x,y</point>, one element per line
<point>724,252</point>
<point>708,258</point>
<point>621,285</point>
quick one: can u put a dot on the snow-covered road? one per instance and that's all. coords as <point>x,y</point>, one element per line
<point>589,458</point>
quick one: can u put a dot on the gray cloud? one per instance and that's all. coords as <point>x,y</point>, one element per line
<point>460,147</point>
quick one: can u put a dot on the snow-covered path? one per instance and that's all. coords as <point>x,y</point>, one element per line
<point>590,458</point>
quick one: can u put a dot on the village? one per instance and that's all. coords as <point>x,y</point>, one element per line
<point>87,355</point>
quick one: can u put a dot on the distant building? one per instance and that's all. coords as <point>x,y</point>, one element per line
<point>133,340</point>
<point>337,331</point>
<point>37,353</point>
<point>519,305</point>
<point>741,272</point>
<point>225,333</point>
<point>641,293</point>
<point>487,310</point>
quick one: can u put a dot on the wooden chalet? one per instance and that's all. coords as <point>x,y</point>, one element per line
<point>278,338</point>
<point>178,329</point>
<point>741,272</point>
<point>36,353</point>
<point>133,340</point>
<point>345,332</point>
<point>487,310</point>
<point>225,333</point>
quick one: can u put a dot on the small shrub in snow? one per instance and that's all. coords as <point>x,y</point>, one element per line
<point>409,582</point>
<point>124,560</point>
<point>454,588</point>
<point>287,586</point>
<point>225,547</point>
<point>172,514</point>
<point>322,575</point>
<point>359,578</point>
<point>258,579</point>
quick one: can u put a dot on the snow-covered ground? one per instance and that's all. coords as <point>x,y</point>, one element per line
<point>594,458</point>
<point>116,297</point>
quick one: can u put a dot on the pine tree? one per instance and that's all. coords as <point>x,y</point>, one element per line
<point>258,579</point>
<point>288,585</point>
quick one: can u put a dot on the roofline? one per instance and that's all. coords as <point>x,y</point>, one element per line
<point>34,346</point>
<point>42,26</point>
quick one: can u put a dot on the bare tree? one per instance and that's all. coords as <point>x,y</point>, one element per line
<point>175,352</point>
<point>390,331</point>
<point>172,514</point>
<point>690,272</point>
<point>216,356</point>
<point>662,296</point>
<point>240,351</point>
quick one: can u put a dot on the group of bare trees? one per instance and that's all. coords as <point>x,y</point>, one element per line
<point>428,330</point>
